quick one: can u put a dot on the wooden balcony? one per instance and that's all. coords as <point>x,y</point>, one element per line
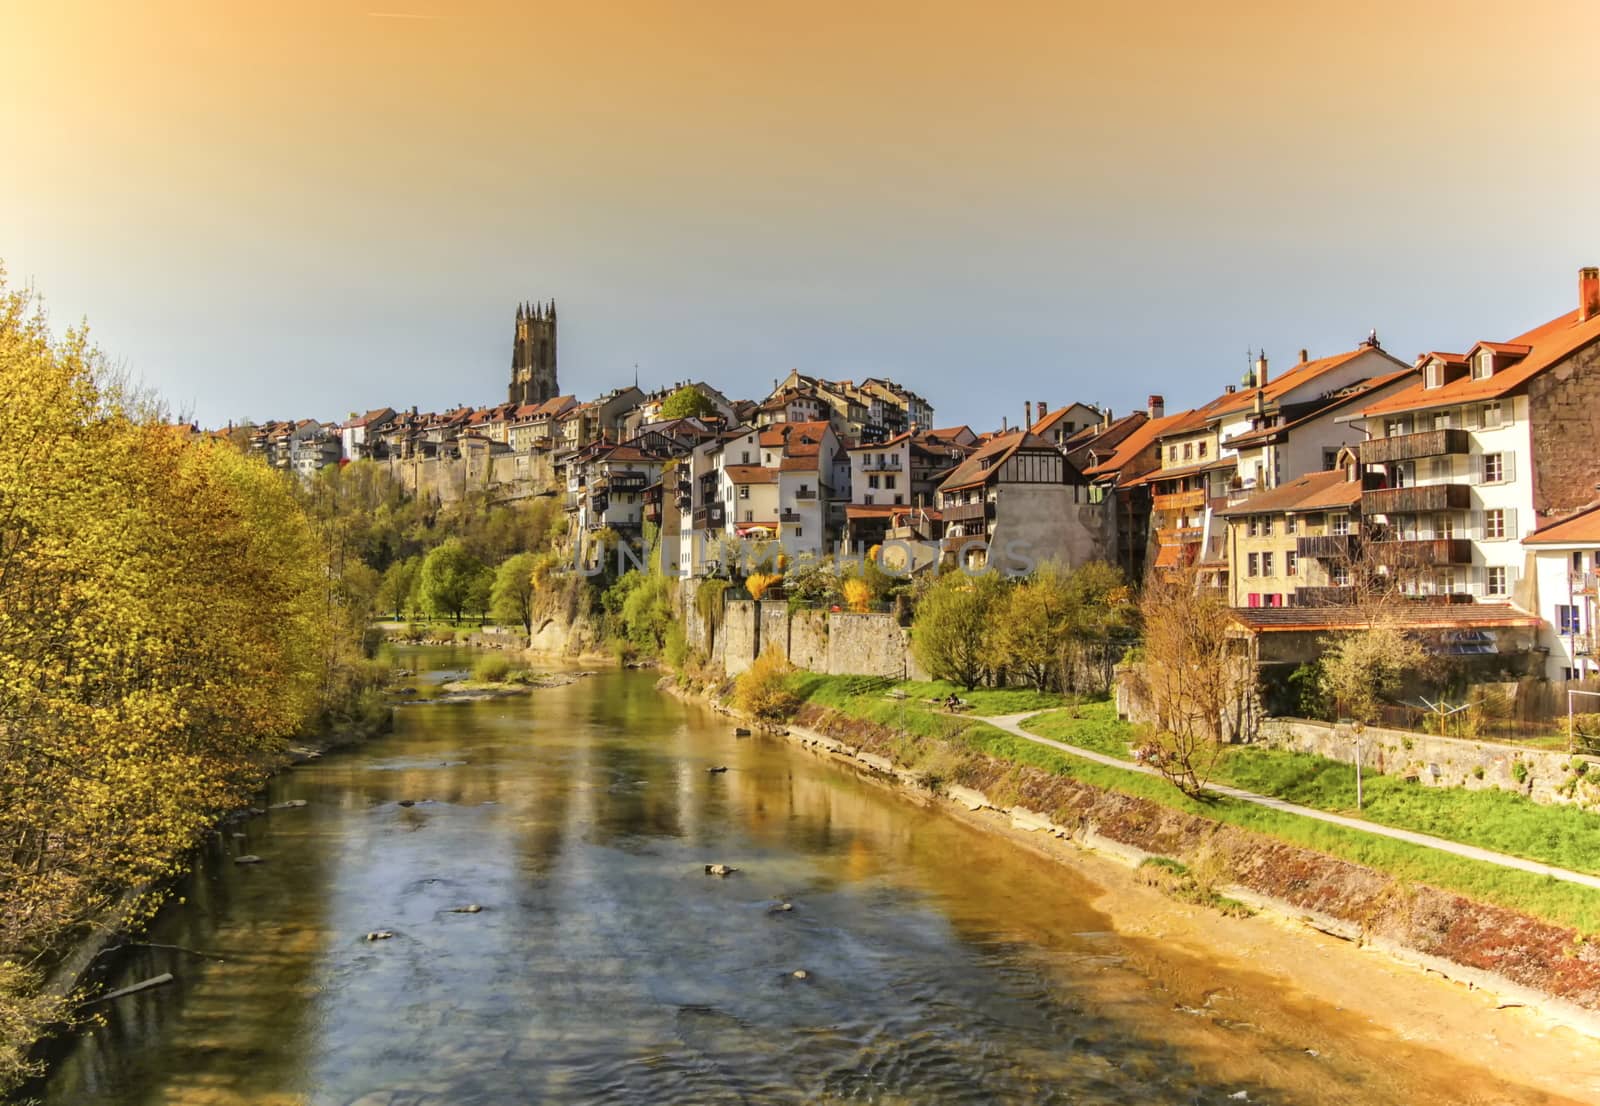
<point>628,481</point>
<point>1408,447</point>
<point>1324,597</point>
<point>1418,500</point>
<point>967,512</point>
<point>1175,536</point>
<point>1327,546</point>
<point>1424,553</point>
<point>1180,501</point>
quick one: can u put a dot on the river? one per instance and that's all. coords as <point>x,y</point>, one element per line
<point>945,964</point>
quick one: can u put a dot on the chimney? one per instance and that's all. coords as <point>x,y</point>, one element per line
<point>1105,418</point>
<point>1040,410</point>
<point>1303,357</point>
<point>1588,293</point>
<point>1261,371</point>
<point>1156,407</point>
<point>1027,413</point>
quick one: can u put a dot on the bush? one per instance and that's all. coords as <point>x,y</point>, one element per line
<point>491,669</point>
<point>762,690</point>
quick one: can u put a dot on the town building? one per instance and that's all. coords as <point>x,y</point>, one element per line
<point>1566,573</point>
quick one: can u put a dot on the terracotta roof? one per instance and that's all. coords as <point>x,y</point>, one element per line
<point>751,474</point>
<point>1410,616</point>
<point>1582,528</point>
<point>1555,340</point>
<point>799,464</point>
<point>1317,491</point>
<point>1280,386</point>
<point>972,471</point>
<point>1348,396</point>
<point>869,446</point>
<point>1134,444</point>
<point>1158,475</point>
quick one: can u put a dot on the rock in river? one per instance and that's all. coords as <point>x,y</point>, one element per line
<point>720,869</point>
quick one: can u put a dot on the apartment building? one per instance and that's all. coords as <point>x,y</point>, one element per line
<point>1486,448</point>
<point>1296,545</point>
<point>1566,572</point>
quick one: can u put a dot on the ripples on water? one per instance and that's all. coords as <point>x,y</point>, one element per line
<point>606,967</point>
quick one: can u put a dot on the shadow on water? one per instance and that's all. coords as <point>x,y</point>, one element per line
<point>605,965</point>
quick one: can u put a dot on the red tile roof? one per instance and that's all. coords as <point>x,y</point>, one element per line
<point>1316,491</point>
<point>1134,444</point>
<point>751,474</point>
<point>1547,344</point>
<point>1582,528</point>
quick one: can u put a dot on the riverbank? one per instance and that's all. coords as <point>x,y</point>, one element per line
<point>1363,967</point>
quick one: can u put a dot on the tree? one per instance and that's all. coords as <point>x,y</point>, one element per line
<point>512,600</point>
<point>952,636</point>
<point>688,402</point>
<point>399,581</point>
<point>1034,621</point>
<point>480,592</point>
<point>1196,678</point>
<point>1361,668</point>
<point>446,579</point>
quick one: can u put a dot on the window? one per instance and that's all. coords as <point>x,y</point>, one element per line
<point>1494,468</point>
<point>1275,600</point>
<point>1435,374</point>
<point>749,516</point>
<point>798,532</point>
<point>1441,420</point>
<point>1330,460</point>
<point>1203,446</point>
<point>1172,453</point>
<point>1394,428</point>
<point>1253,565</point>
<point>1494,525</point>
<point>744,491</point>
<point>888,482</point>
<point>1290,524</point>
<point>1291,563</point>
<point>872,481</point>
<point>1495,581</point>
<point>867,499</point>
<point>1339,575</point>
<point>1491,416</point>
<point>1338,525</point>
<point>1444,526</point>
<point>745,455</point>
<point>1255,599</point>
<point>1188,451</point>
<point>1253,527</point>
<point>1483,365</point>
<point>899,500</point>
<point>1266,564</point>
<point>1567,619</point>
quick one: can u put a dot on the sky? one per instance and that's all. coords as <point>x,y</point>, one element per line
<point>286,209</point>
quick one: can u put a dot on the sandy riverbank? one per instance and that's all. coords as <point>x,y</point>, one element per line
<point>1335,989</point>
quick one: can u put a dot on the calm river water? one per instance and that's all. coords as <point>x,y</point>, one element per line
<point>946,965</point>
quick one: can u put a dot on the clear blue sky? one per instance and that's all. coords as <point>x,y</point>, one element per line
<point>292,209</point>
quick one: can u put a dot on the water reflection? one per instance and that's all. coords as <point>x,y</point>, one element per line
<point>606,966</point>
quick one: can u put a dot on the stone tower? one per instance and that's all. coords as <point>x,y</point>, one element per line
<point>533,354</point>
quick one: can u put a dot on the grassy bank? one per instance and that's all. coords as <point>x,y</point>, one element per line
<point>937,743</point>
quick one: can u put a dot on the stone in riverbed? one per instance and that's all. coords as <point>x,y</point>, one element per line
<point>720,869</point>
<point>288,804</point>
<point>470,908</point>
<point>800,973</point>
<point>717,770</point>
<point>740,731</point>
<point>248,858</point>
<point>780,908</point>
<point>378,935</point>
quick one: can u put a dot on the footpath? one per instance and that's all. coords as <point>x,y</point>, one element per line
<point>1012,724</point>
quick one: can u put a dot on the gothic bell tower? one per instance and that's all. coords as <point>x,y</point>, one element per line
<point>533,354</point>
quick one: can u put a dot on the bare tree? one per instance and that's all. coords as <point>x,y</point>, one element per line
<point>1196,678</point>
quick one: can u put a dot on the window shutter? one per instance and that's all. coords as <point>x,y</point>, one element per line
<point>1470,418</point>
<point>1512,533</point>
<point>1475,474</point>
<point>1508,467</point>
<point>1475,525</point>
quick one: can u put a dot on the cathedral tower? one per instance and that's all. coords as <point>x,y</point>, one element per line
<point>533,354</point>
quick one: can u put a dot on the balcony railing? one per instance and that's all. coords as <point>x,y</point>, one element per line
<point>1327,546</point>
<point>1423,552</point>
<point>967,512</point>
<point>1178,535</point>
<point>1409,447</point>
<point>888,464</point>
<point>786,515</point>
<point>1180,501</point>
<point>1584,583</point>
<point>805,493</point>
<point>1324,597</point>
<point>1418,500</point>
<point>628,481</point>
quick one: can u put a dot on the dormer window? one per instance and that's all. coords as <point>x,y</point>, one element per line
<point>1483,365</point>
<point>1433,375</point>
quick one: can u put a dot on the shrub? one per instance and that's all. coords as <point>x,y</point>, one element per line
<point>491,669</point>
<point>762,690</point>
<point>857,594</point>
<point>760,583</point>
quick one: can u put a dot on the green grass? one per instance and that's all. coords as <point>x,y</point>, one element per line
<point>1092,725</point>
<point>1556,901</point>
<point>1500,820</point>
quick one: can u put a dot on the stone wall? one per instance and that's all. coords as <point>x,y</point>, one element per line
<point>740,635</point>
<point>808,640</point>
<point>1565,401</point>
<point>866,645</point>
<point>774,633</point>
<point>1546,776</point>
<point>506,476</point>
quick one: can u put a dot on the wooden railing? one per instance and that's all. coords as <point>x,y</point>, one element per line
<point>1408,447</point>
